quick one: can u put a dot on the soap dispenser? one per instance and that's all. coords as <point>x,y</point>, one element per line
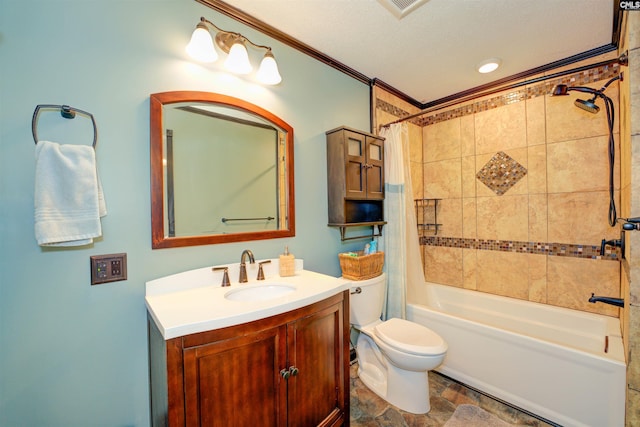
<point>287,263</point>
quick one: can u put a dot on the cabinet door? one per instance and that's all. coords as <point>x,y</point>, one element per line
<point>316,392</point>
<point>355,152</point>
<point>375,168</point>
<point>236,382</point>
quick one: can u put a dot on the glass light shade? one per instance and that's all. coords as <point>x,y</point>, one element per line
<point>268,72</point>
<point>201,47</point>
<point>489,65</point>
<point>238,59</point>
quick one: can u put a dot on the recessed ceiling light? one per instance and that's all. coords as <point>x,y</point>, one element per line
<point>489,65</point>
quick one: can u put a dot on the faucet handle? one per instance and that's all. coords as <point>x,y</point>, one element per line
<point>260,271</point>
<point>225,276</point>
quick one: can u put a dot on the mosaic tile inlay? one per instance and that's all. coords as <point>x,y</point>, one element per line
<point>501,173</point>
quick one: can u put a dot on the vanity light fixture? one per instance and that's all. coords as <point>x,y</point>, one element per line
<point>489,65</point>
<point>201,48</point>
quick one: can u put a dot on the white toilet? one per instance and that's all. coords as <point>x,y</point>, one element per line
<point>395,355</point>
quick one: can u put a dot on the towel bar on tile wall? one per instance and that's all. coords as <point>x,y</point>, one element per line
<point>65,111</point>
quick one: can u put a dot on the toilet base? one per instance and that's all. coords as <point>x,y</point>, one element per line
<point>407,390</point>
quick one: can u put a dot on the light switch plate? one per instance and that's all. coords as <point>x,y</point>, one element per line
<point>108,268</point>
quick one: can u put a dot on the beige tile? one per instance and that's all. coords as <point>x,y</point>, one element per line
<point>537,169</point>
<point>443,265</point>
<point>633,407</point>
<point>634,91</point>
<point>503,273</point>
<point>567,122</point>
<point>633,241</point>
<point>469,218</point>
<point>503,218</point>
<point>625,313</point>
<point>469,180</point>
<point>415,143</point>
<point>470,267</point>
<point>450,214</point>
<point>538,218</point>
<point>537,278</point>
<point>443,179</point>
<point>417,181</point>
<point>635,174</point>
<point>633,30</point>
<point>441,140</point>
<point>580,218</point>
<point>536,126</point>
<point>633,372</point>
<point>467,135</point>
<point>501,129</point>
<point>580,165</point>
<point>572,280</point>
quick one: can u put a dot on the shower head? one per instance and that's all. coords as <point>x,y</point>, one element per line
<point>587,105</point>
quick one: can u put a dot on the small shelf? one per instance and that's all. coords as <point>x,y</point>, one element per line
<point>373,224</point>
<point>427,215</point>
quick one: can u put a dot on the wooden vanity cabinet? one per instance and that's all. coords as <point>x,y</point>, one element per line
<point>290,369</point>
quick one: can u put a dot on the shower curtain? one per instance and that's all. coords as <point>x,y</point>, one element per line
<point>400,237</point>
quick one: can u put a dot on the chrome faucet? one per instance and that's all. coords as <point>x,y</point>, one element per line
<point>243,265</point>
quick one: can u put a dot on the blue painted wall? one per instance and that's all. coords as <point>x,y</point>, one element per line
<point>76,355</point>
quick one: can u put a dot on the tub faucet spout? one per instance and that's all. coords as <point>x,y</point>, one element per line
<point>607,300</point>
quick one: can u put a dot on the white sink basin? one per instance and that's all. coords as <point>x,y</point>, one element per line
<point>259,292</point>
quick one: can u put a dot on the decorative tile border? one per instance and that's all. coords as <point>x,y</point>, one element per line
<point>517,95</point>
<point>539,248</point>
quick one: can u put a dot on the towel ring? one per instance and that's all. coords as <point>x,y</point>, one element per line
<point>68,113</point>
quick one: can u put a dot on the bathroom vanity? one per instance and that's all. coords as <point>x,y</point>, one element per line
<point>262,353</point>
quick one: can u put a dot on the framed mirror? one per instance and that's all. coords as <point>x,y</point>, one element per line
<point>221,171</point>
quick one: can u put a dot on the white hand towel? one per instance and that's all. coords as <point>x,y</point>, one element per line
<point>68,195</point>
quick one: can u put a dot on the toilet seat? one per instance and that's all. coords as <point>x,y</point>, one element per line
<point>410,337</point>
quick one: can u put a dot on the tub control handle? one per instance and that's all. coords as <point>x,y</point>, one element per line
<point>357,290</point>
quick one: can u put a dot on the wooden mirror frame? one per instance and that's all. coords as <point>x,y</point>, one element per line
<point>158,238</point>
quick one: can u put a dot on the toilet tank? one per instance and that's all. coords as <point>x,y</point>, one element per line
<point>366,300</point>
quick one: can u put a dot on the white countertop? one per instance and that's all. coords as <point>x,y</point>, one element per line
<point>193,301</point>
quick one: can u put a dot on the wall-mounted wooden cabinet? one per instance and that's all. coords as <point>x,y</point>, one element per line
<point>355,178</point>
<point>290,369</point>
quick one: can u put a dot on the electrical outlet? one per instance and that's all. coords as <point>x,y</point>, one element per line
<point>108,268</point>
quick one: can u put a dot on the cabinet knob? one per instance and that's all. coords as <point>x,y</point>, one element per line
<point>284,373</point>
<point>293,370</point>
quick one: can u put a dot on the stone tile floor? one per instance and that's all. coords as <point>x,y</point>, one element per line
<point>369,410</point>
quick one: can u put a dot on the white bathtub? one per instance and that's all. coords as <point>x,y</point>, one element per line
<point>547,360</point>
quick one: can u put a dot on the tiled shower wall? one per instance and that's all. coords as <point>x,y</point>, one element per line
<point>534,232</point>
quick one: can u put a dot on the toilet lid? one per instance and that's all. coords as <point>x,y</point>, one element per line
<point>410,337</point>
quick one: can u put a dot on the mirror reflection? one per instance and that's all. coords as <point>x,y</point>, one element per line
<point>221,171</point>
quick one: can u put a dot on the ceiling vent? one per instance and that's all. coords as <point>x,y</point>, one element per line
<point>401,8</point>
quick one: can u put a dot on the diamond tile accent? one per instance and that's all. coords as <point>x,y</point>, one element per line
<point>501,173</point>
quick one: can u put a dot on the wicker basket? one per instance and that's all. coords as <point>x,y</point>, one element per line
<point>361,267</point>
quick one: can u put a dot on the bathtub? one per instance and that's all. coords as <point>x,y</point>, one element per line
<point>546,360</point>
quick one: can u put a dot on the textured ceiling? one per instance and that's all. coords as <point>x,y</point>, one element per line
<point>433,51</point>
